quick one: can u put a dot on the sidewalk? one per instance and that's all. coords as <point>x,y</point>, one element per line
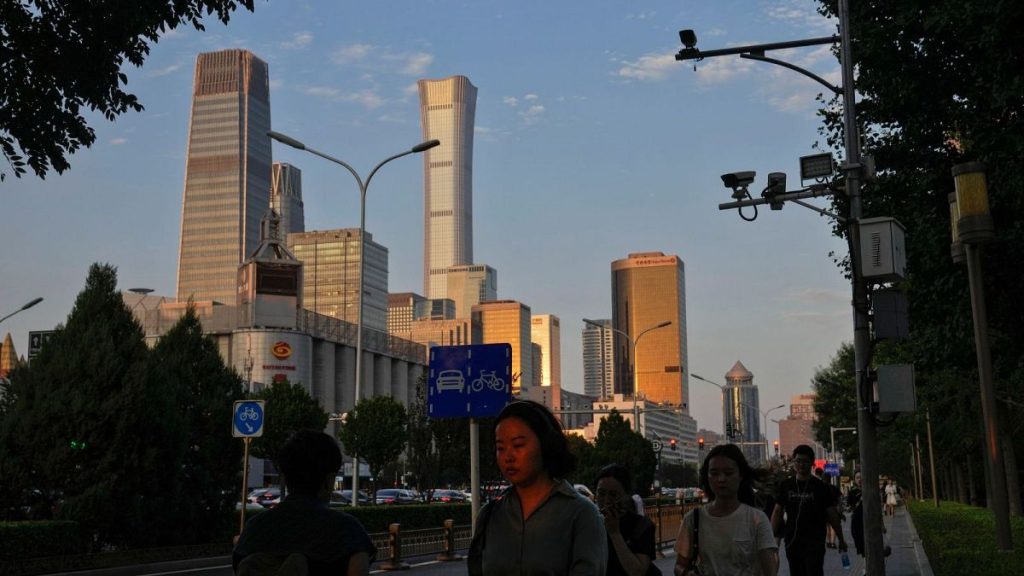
<point>907,558</point>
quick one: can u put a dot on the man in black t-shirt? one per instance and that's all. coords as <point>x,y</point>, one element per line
<point>804,507</point>
<point>302,530</point>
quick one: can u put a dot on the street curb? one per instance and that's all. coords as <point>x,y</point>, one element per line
<point>922,559</point>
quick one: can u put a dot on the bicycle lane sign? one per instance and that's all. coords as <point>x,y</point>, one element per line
<point>469,381</point>
<point>247,419</point>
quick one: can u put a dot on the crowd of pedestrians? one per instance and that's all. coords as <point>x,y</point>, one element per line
<point>542,526</point>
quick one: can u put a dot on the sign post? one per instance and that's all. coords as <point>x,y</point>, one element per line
<point>470,382</point>
<point>247,423</point>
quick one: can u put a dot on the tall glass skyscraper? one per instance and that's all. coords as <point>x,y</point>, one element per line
<point>227,173</point>
<point>649,288</point>
<point>286,198</point>
<point>447,113</point>
<point>741,411</point>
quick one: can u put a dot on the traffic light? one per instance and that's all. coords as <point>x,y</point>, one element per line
<point>728,430</point>
<point>700,443</point>
<point>78,445</point>
<point>776,443</point>
<point>672,444</point>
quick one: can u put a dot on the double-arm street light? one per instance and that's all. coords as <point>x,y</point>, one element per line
<point>363,185</point>
<point>636,366</point>
<point>27,305</point>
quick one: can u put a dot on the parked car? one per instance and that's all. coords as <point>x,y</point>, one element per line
<point>344,497</point>
<point>253,497</point>
<point>269,498</point>
<point>396,496</point>
<point>448,497</point>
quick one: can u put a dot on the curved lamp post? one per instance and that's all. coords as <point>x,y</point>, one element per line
<point>632,343</point>
<point>27,305</point>
<point>363,185</point>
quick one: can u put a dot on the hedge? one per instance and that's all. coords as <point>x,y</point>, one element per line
<point>410,516</point>
<point>960,539</point>
<point>32,539</point>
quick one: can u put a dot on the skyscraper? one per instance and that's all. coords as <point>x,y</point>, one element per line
<point>741,410</point>
<point>447,112</point>
<point>546,336</point>
<point>227,173</point>
<point>471,284</point>
<point>286,198</point>
<point>648,288</point>
<point>599,360</point>
<point>508,321</point>
<point>330,273</point>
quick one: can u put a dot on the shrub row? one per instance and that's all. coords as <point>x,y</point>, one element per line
<point>410,516</point>
<point>960,539</point>
<point>46,538</point>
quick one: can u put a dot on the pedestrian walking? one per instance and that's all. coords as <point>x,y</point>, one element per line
<point>891,499</point>
<point>630,535</point>
<point>301,535</point>
<point>541,525</point>
<point>853,504</point>
<point>804,507</point>
<point>728,536</point>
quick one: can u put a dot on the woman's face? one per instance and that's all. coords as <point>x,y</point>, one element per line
<point>610,494</point>
<point>724,476</point>
<point>518,453</point>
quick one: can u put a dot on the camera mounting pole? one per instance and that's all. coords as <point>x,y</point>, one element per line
<point>874,561</point>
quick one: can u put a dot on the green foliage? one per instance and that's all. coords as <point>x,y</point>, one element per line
<point>586,465</point>
<point>835,403</point>
<point>211,460</point>
<point>960,539</point>
<point>61,58</point>
<point>20,540</point>
<point>410,516</point>
<point>93,384</point>
<point>376,430</point>
<point>288,408</point>
<point>617,442</point>
<point>679,475</point>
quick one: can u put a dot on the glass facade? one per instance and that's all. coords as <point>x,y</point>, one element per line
<point>648,289</point>
<point>508,322</point>
<point>227,173</point>
<point>598,380</point>
<point>447,113</point>
<point>330,275</point>
<point>469,285</point>
<point>286,198</point>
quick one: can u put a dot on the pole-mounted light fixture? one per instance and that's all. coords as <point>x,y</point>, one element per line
<point>956,249</point>
<point>974,221</point>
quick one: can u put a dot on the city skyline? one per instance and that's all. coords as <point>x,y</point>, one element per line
<point>588,146</point>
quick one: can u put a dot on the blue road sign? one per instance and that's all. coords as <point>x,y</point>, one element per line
<point>831,469</point>
<point>248,419</point>
<point>469,381</point>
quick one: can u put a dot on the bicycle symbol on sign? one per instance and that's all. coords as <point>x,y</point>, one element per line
<point>490,379</point>
<point>249,414</point>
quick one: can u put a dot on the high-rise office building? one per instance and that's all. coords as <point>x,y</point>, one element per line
<point>508,322</point>
<point>286,198</point>
<point>546,332</point>
<point>648,288</point>
<point>798,427</point>
<point>599,360</point>
<point>330,272</point>
<point>447,112</point>
<point>227,173</point>
<point>741,411</point>
<point>402,307</point>
<point>471,284</point>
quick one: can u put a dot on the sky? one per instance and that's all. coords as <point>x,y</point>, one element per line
<point>591,142</point>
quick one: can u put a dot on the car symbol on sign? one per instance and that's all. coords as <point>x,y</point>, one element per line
<point>450,380</point>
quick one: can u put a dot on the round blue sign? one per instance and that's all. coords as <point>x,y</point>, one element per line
<point>248,418</point>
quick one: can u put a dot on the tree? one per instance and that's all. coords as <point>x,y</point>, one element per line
<point>617,442</point>
<point>376,430</point>
<point>289,408</point>
<point>422,456</point>
<point>91,424</point>
<point>586,469</point>
<point>58,58</point>
<point>211,459</point>
<point>958,96</point>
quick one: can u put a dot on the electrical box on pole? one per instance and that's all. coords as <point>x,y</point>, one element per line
<point>883,256</point>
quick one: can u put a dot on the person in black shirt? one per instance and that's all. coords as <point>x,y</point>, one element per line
<point>804,507</point>
<point>302,530</point>
<point>630,535</point>
<point>853,504</point>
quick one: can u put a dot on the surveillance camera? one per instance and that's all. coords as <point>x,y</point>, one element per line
<point>738,179</point>
<point>688,38</point>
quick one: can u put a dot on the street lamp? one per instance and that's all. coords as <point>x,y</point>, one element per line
<point>363,185</point>
<point>764,415</point>
<point>632,342</point>
<point>27,305</point>
<point>855,170</point>
<point>972,227</point>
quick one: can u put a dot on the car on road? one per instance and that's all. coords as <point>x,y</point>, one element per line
<point>396,496</point>
<point>448,497</point>
<point>269,498</point>
<point>344,498</point>
<point>450,380</point>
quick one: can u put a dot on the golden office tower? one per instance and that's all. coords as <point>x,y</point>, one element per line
<point>649,288</point>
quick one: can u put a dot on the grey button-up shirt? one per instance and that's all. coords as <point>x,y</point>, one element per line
<point>564,536</point>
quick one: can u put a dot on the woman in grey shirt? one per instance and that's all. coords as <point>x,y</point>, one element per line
<point>541,526</point>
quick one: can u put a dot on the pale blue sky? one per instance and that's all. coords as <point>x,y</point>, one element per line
<point>591,142</point>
